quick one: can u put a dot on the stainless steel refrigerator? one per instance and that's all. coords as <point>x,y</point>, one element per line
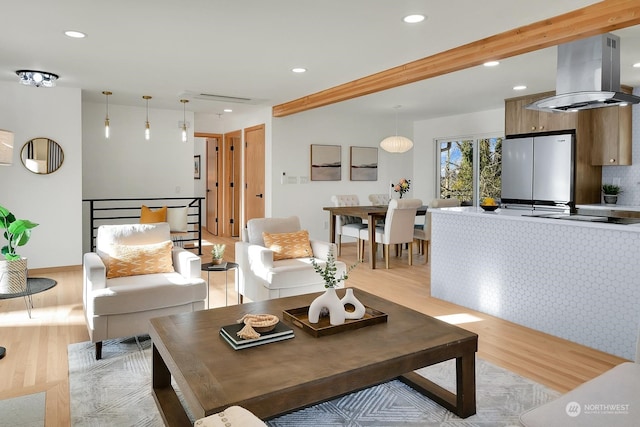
<point>538,170</point>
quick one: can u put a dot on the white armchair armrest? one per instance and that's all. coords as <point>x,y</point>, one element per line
<point>260,255</point>
<point>95,272</point>
<point>186,263</point>
<point>321,249</point>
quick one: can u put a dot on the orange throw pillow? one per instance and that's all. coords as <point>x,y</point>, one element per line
<point>148,216</point>
<point>288,245</point>
<point>133,260</point>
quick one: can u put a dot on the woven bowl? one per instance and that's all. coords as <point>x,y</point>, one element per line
<point>265,325</point>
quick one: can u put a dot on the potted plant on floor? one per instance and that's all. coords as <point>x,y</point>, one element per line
<point>13,269</point>
<point>610,192</point>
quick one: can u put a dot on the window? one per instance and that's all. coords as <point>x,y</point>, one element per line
<point>470,169</point>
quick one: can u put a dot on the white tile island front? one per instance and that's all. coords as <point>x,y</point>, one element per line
<point>572,279</point>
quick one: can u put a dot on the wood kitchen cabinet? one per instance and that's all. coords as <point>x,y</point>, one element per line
<point>520,120</point>
<point>588,175</point>
<point>611,132</point>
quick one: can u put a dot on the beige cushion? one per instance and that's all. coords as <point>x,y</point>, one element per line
<point>232,416</point>
<point>150,216</point>
<point>611,399</point>
<point>177,219</point>
<point>133,260</point>
<point>288,245</point>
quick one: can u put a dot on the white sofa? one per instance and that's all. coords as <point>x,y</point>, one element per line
<point>262,278</point>
<point>611,399</point>
<point>122,306</point>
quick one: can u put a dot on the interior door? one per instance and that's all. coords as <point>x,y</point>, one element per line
<point>213,146</point>
<point>254,195</point>
<point>231,164</point>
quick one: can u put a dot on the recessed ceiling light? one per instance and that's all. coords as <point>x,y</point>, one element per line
<point>299,70</point>
<point>636,65</point>
<point>491,63</point>
<point>75,34</point>
<point>413,19</point>
<point>519,87</point>
<point>228,110</point>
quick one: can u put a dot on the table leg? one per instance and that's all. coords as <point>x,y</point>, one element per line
<point>171,410</point>
<point>208,296</point>
<point>463,403</point>
<point>332,227</point>
<point>372,241</point>
<point>226,287</point>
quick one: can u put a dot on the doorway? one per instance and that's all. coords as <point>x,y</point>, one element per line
<point>254,195</point>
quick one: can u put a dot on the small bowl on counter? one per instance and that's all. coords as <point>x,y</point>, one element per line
<point>489,208</point>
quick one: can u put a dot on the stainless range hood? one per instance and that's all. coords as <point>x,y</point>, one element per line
<point>588,76</point>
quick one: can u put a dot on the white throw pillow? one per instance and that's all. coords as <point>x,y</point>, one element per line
<point>177,219</point>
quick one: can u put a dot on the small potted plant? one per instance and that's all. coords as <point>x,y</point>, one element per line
<point>217,253</point>
<point>610,192</point>
<point>13,269</point>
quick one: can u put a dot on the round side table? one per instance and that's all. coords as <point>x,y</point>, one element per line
<point>225,266</point>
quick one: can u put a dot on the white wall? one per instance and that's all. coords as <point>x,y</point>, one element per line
<point>426,132</point>
<point>292,138</point>
<point>126,165</point>
<point>54,200</point>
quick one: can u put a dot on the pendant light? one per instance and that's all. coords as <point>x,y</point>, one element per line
<point>147,129</point>
<point>106,93</point>
<point>184,119</point>
<point>396,144</point>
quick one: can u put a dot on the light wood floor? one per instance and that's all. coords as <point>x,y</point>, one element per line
<point>37,348</point>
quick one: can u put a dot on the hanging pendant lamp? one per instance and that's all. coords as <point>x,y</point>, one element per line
<point>147,128</point>
<point>396,144</point>
<point>184,119</point>
<point>106,93</point>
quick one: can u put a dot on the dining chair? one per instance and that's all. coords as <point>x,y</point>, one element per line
<point>379,199</point>
<point>349,226</point>
<point>397,229</point>
<point>423,234</point>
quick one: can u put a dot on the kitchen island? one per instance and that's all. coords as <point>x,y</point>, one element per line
<point>577,280</point>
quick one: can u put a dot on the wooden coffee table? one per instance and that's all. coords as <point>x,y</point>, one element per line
<point>273,379</point>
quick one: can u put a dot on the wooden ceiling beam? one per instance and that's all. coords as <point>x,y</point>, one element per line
<point>599,18</point>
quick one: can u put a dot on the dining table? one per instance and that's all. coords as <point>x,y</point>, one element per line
<point>371,213</point>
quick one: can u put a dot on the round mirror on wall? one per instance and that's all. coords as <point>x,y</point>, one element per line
<point>42,155</point>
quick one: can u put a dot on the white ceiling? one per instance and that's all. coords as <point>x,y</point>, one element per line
<point>246,48</point>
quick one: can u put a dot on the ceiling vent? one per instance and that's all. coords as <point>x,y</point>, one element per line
<point>218,98</point>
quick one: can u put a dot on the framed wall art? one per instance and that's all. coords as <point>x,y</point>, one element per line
<point>196,167</point>
<point>326,162</point>
<point>364,164</point>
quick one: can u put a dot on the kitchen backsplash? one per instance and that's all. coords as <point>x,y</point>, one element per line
<point>629,175</point>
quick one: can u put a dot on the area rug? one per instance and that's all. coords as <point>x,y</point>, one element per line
<point>116,391</point>
<point>23,411</point>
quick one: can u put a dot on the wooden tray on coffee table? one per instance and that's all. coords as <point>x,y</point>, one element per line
<point>299,317</point>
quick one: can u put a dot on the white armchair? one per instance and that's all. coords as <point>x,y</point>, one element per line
<point>134,275</point>
<point>262,278</point>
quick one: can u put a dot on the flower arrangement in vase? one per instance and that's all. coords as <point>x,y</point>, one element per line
<point>402,186</point>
